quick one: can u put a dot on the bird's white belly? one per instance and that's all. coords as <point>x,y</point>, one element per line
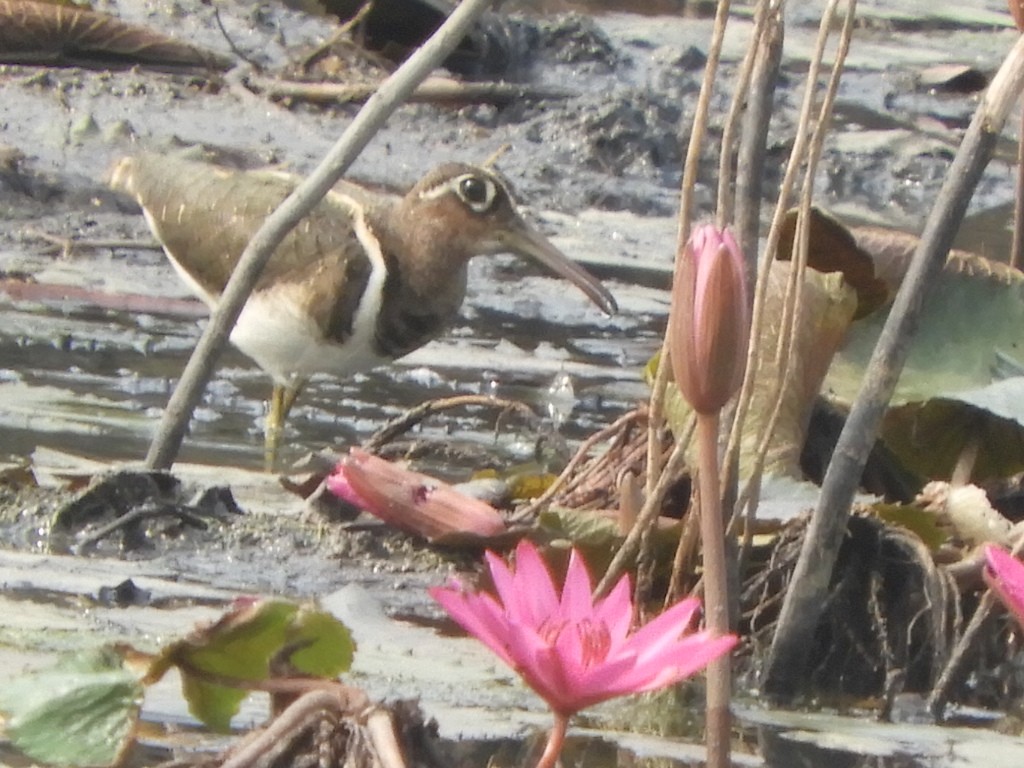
<point>289,346</point>
<point>284,340</point>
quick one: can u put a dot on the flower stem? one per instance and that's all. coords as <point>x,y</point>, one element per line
<point>556,739</point>
<point>716,603</point>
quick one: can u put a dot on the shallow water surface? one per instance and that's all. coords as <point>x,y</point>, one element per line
<point>598,172</point>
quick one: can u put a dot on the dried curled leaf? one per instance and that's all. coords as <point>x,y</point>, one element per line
<point>832,247</point>
<point>34,32</point>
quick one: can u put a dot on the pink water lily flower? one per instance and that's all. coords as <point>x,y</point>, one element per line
<point>573,650</point>
<point>1005,575</point>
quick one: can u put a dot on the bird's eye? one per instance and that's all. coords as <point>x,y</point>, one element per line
<point>476,192</point>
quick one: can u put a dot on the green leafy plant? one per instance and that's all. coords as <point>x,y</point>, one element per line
<point>83,710</point>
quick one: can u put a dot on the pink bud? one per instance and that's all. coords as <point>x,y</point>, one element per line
<point>412,501</point>
<point>709,323</point>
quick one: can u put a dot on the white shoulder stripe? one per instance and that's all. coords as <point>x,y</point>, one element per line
<point>364,324</point>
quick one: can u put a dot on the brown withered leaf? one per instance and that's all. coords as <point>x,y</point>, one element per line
<point>833,248</point>
<point>891,251</point>
<point>33,32</point>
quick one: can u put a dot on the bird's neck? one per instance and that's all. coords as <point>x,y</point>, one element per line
<point>425,284</point>
<point>424,260</point>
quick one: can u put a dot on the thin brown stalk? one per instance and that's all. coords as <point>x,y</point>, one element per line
<point>648,514</point>
<point>691,168</point>
<point>796,158</point>
<point>420,413</point>
<point>556,739</point>
<point>752,150</point>
<point>685,549</point>
<point>726,172</point>
<point>793,303</point>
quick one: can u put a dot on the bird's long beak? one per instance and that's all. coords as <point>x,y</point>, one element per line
<point>524,240</point>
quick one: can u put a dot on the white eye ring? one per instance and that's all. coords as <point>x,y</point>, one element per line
<point>477,192</point>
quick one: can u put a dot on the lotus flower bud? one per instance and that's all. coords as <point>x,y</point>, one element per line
<point>412,501</point>
<point>709,323</point>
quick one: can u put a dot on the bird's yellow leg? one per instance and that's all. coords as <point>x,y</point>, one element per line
<point>281,401</point>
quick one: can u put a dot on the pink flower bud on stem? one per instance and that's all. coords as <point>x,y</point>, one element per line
<point>709,322</point>
<point>709,328</point>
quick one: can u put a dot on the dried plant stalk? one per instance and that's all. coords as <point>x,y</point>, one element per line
<point>793,306</point>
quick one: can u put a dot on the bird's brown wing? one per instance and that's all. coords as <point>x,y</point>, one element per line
<point>205,215</point>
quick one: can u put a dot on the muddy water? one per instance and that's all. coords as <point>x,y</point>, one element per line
<point>598,172</point>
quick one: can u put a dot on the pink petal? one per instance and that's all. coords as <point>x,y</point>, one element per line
<point>607,681</point>
<point>504,581</point>
<point>577,593</point>
<point>569,646</point>
<point>506,585</point>
<point>616,610</point>
<point>1005,575</point>
<point>534,597</point>
<point>479,615</point>
<point>540,667</point>
<point>678,663</point>
<point>664,630</point>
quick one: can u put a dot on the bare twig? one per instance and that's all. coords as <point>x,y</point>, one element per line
<point>406,421</point>
<point>231,43</point>
<point>691,168</point>
<point>137,515</point>
<point>726,169</point>
<point>752,148</point>
<point>68,245</point>
<point>685,549</point>
<point>570,469</point>
<point>343,32</point>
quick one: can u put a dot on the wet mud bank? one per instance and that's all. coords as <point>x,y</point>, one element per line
<point>93,340</point>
